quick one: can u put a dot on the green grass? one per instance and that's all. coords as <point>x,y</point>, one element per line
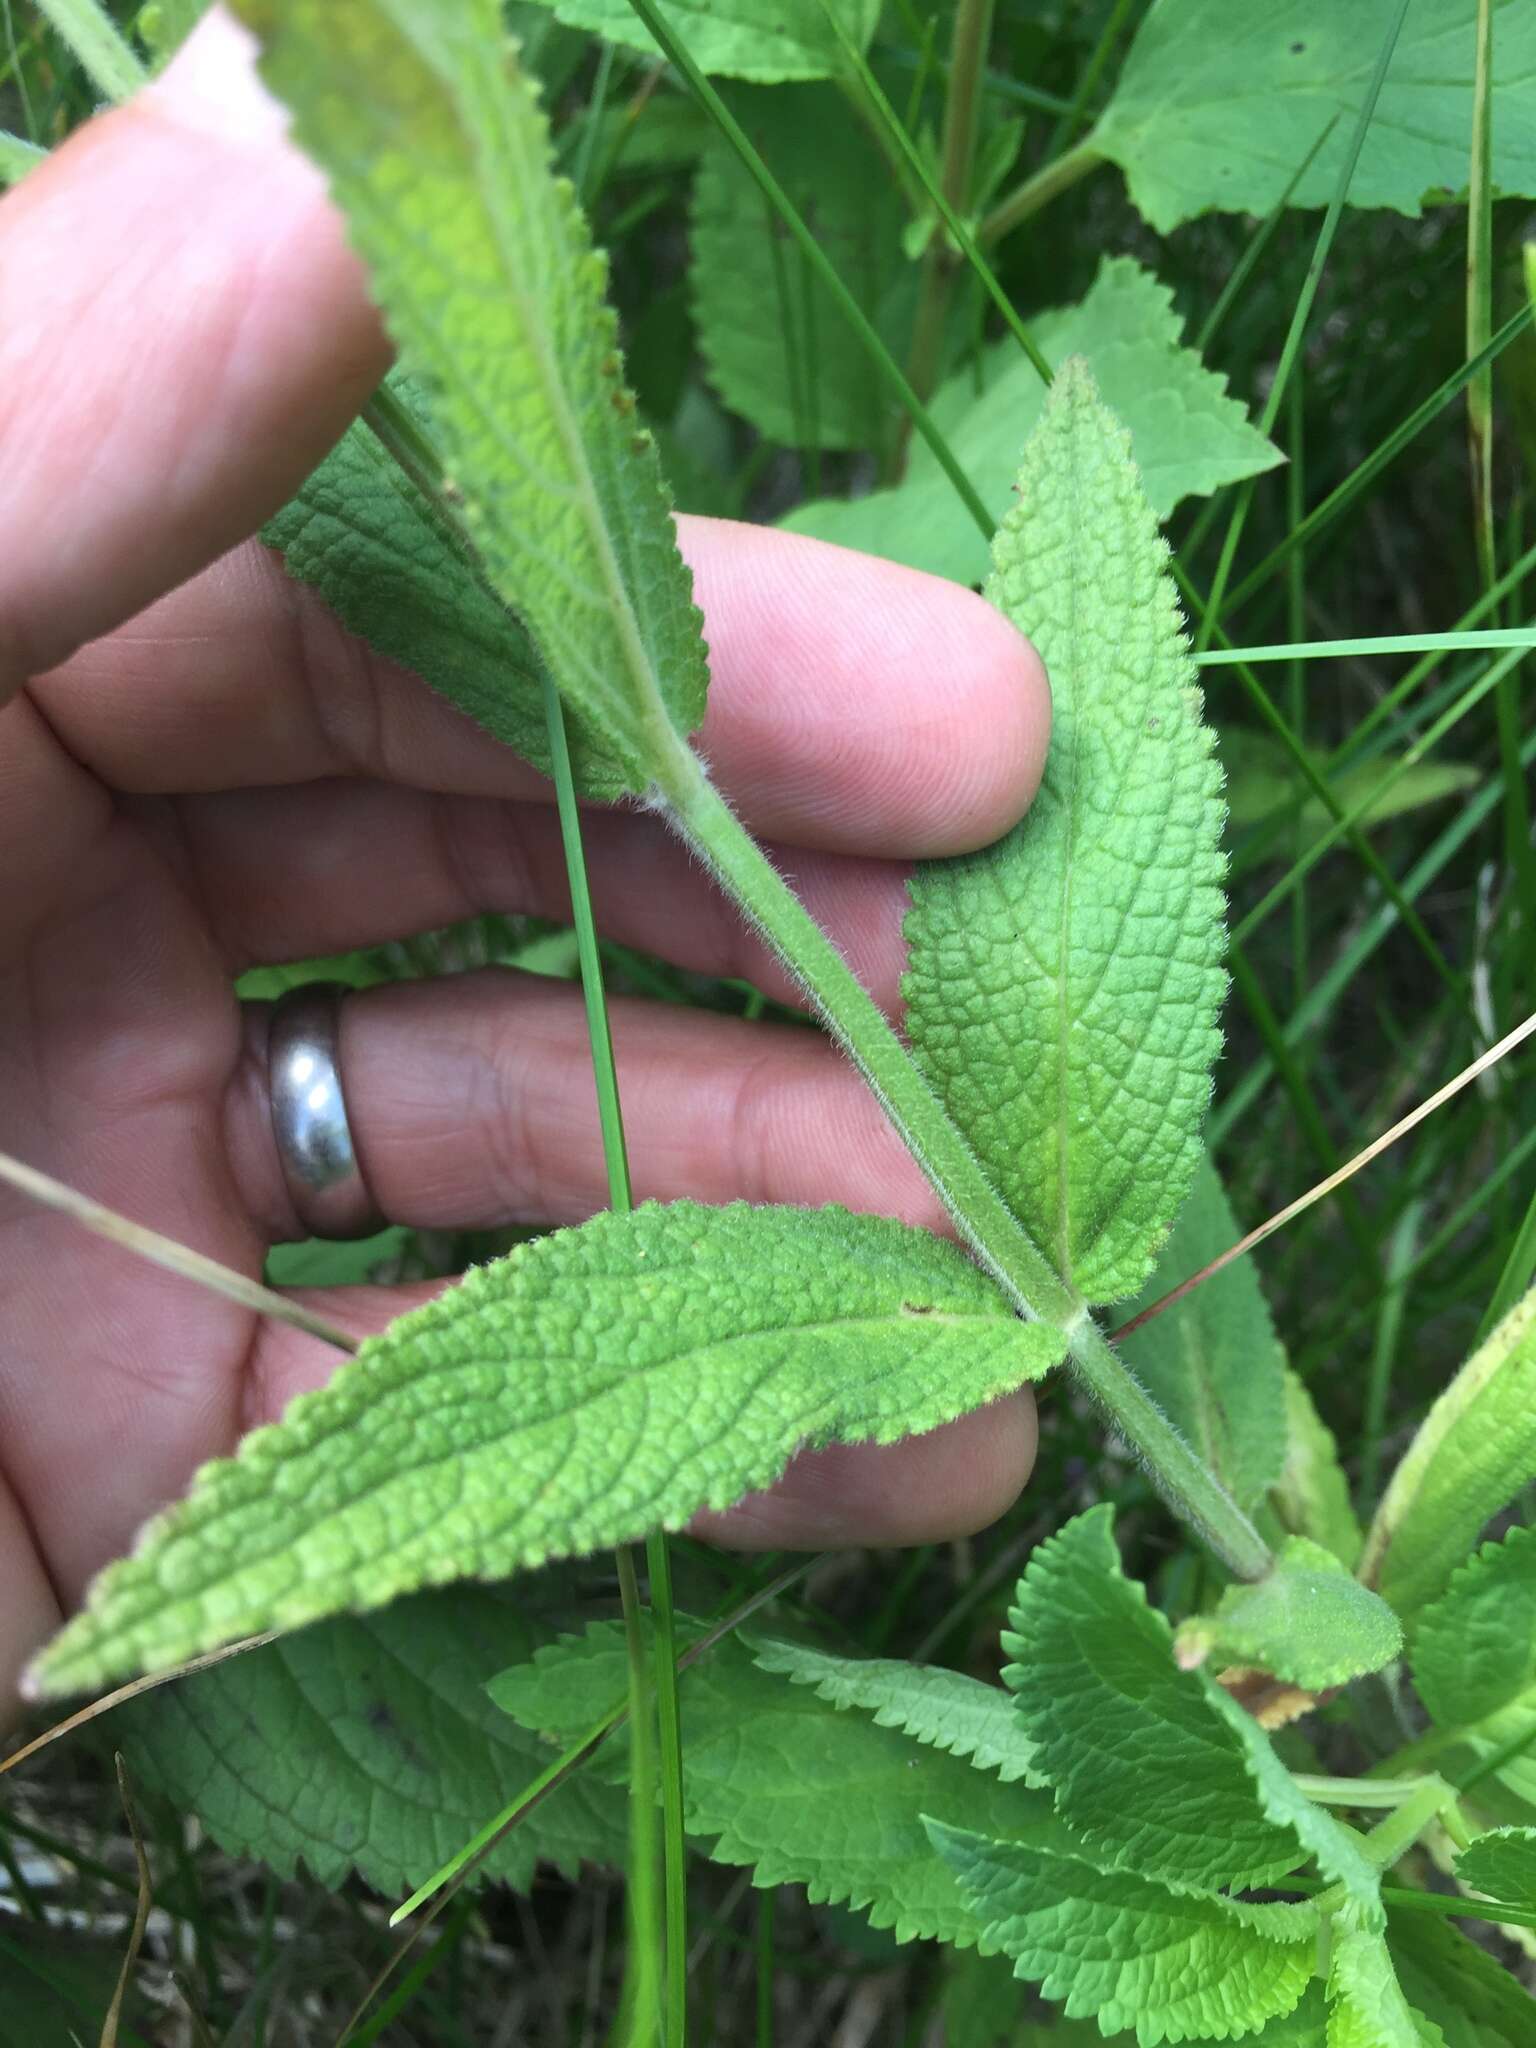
<point>1374,961</point>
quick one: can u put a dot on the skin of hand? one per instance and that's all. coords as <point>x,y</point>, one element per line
<point>200,772</point>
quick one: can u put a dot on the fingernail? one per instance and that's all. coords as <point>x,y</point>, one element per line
<point>212,84</point>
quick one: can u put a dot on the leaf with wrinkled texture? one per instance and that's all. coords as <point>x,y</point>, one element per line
<point>1366,2006</point>
<point>1146,1774</point>
<point>1474,1451</point>
<point>1174,1963</point>
<point>1458,1986</point>
<point>1212,1361</point>
<point>439,156</point>
<point>1188,435</point>
<point>1217,107</point>
<point>591,1386</point>
<point>737,38</point>
<point>1474,1663</point>
<point>376,550</point>
<point>1309,1622</point>
<point>1502,1864</point>
<point>776,345</point>
<point>1311,1495</point>
<point>1062,986</point>
<point>776,1780</point>
<point>944,1708</point>
<point>368,1744</point>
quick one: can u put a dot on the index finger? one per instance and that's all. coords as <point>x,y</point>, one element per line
<point>183,334</point>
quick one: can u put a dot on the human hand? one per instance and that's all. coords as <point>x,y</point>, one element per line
<point>226,778</point>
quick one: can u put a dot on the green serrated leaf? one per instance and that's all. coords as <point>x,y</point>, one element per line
<point>592,1386</point>
<point>1215,109</point>
<point>778,1781</point>
<point>439,156</point>
<point>1174,1963</point>
<point>1188,436</point>
<point>1458,1986</point>
<point>1311,1496</point>
<point>1474,1663</point>
<point>1474,1650</point>
<point>1212,1361</point>
<point>778,349</point>
<point>737,38</point>
<point>379,554</point>
<point>1310,1623</point>
<point>1366,2006</point>
<point>1474,1451</point>
<point>1145,1773</point>
<point>1335,1849</point>
<point>368,1744</point>
<point>943,1708</point>
<point>1063,985</point>
<point>1501,1864</point>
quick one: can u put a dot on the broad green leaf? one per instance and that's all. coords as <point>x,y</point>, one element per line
<point>944,1708</point>
<point>368,1744</point>
<point>1311,1496</point>
<point>1217,107</point>
<point>1366,2006</point>
<point>777,348</point>
<point>380,555</point>
<point>591,1386</point>
<point>985,2004</point>
<point>1188,436</point>
<point>778,1781</point>
<point>1474,1663</point>
<point>1174,1963</point>
<point>1474,1650</point>
<point>1310,1622</point>
<point>1262,784</point>
<point>1212,1361</point>
<point>1502,1864</point>
<point>1063,985</point>
<point>1474,1451</point>
<point>1146,1773</point>
<point>737,38</point>
<point>1335,1849</point>
<point>439,156</point>
<point>1458,1986</point>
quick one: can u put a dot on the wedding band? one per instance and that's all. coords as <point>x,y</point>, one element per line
<point>309,1115</point>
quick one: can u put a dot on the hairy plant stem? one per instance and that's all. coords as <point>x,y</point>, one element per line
<point>983,1219</point>
<point>1038,190</point>
<point>108,59</point>
<point>941,262</point>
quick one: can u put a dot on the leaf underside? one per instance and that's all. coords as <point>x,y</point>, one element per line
<point>1063,985</point>
<point>592,1386</point>
<point>1212,1361</point>
<point>1308,1622</point>
<point>1474,1451</point>
<point>481,261</point>
<point>1188,435</point>
<point>1217,107</point>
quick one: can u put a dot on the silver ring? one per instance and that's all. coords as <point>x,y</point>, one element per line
<point>309,1114</point>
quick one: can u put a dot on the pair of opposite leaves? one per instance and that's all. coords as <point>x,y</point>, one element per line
<point>1062,989</point>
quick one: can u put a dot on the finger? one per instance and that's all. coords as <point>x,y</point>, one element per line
<point>471,1102</point>
<point>289,874</point>
<point>945,1484</point>
<point>183,333</point>
<point>856,705</point>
